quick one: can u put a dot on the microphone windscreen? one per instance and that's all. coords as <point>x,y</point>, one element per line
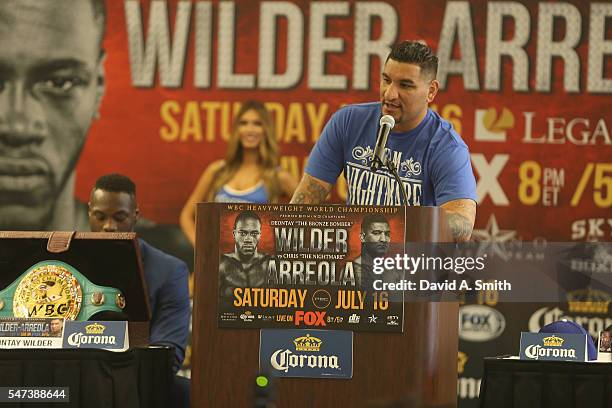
<point>567,326</point>
<point>387,120</point>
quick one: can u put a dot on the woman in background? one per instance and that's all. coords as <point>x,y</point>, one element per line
<point>250,171</point>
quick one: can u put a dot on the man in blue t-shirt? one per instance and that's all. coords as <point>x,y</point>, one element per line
<point>432,160</point>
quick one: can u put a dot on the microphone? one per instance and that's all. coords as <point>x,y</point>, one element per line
<point>378,158</point>
<point>264,391</point>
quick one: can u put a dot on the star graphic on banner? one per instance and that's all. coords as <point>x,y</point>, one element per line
<point>493,239</point>
<point>372,319</point>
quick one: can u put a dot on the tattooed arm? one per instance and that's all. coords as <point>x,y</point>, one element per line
<point>461,216</point>
<point>311,190</point>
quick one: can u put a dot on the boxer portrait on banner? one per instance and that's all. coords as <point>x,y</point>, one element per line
<point>375,236</point>
<point>52,82</point>
<point>245,266</point>
<point>432,160</point>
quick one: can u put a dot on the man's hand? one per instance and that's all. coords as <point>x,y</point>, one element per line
<point>311,190</point>
<point>461,217</point>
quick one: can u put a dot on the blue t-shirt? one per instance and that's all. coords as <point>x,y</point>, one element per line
<point>432,160</point>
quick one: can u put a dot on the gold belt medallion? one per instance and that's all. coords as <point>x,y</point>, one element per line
<point>48,291</point>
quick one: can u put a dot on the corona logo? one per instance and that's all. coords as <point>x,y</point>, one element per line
<point>588,301</point>
<point>283,360</point>
<point>553,341</point>
<point>247,316</point>
<point>78,339</point>
<point>592,323</point>
<point>307,343</point>
<point>95,328</point>
<point>535,351</point>
<point>468,388</point>
<point>462,359</point>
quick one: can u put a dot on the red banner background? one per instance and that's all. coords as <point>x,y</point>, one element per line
<point>129,136</point>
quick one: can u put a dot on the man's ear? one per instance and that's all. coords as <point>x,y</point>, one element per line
<point>362,236</point>
<point>101,83</point>
<point>89,208</point>
<point>434,86</point>
<point>136,215</point>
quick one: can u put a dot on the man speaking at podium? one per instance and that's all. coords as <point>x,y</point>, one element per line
<point>432,160</point>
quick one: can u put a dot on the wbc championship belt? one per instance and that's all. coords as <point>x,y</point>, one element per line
<point>56,289</point>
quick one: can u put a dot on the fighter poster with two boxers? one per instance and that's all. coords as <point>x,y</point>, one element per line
<point>288,266</point>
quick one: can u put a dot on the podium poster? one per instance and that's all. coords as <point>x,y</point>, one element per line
<point>300,266</point>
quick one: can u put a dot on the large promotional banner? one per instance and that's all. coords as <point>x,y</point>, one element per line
<point>526,84</point>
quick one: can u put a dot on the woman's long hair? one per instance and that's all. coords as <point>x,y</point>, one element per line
<point>268,153</point>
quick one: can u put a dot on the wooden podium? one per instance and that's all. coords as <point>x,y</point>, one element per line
<point>419,364</point>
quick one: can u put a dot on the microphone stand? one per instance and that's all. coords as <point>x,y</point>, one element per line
<point>391,167</point>
<point>393,170</point>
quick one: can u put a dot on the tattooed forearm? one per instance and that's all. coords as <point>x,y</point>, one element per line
<point>310,191</point>
<point>461,227</point>
<point>461,215</point>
